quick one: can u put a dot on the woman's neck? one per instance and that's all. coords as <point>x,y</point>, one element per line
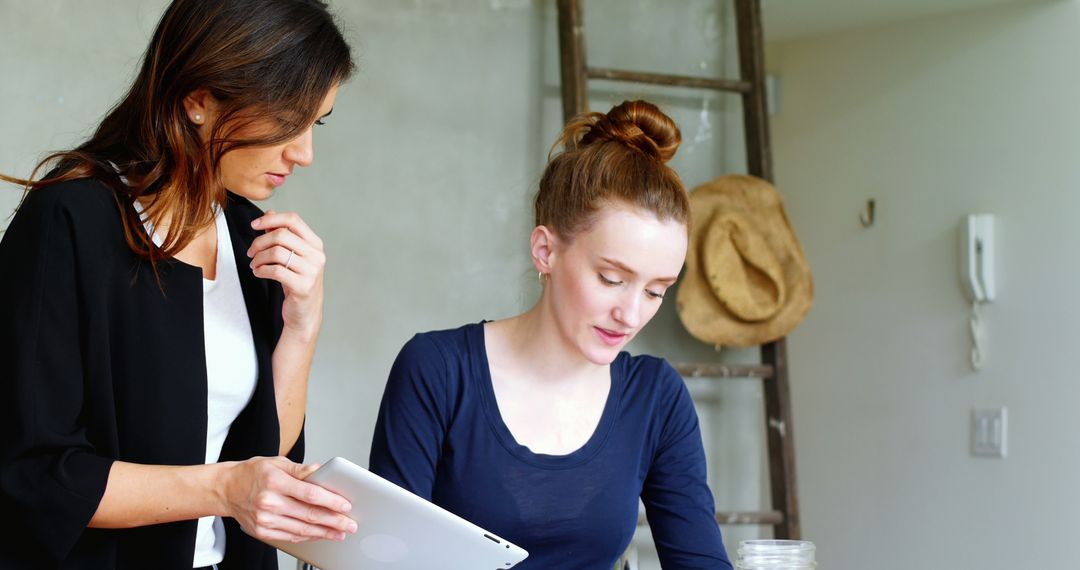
<point>535,343</point>
<point>201,252</point>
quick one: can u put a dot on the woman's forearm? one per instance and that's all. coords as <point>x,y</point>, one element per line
<point>292,366</point>
<point>139,495</point>
<point>266,495</point>
<point>291,254</point>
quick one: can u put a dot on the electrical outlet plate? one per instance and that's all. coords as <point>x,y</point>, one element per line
<point>989,432</point>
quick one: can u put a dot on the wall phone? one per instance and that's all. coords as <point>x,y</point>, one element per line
<point>977,257</point>
<point>977,274</point>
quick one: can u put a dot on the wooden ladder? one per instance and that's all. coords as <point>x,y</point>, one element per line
<point>773,371</point>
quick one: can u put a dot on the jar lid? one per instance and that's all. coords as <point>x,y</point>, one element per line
<point>776,554</point>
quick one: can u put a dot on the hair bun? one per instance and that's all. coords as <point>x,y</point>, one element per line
<point>639,125</point>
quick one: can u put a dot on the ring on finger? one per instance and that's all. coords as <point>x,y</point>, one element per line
<point>289,260</point>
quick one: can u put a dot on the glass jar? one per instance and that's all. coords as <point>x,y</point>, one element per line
<point>775,555</point>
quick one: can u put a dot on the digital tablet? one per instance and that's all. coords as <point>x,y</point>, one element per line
<point>398,530</point>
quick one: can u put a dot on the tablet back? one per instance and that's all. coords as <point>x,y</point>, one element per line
<point>398,530</point>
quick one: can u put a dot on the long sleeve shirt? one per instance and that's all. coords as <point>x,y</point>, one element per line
<point>440,435</point>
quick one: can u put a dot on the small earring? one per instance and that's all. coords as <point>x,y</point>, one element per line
<point>540,276</point>
<point>198,119</point>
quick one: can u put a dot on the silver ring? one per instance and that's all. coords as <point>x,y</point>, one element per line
<point>288,261</point>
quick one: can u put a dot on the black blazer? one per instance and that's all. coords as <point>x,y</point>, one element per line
<point>102,361</point>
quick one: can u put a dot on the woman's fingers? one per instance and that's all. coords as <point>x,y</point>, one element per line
<point>292,282</point>
<point>283,256</point>
<point>282,507</point>
<point>305,470</point>
<point>280,255</point>
<point>298,530</point>
<point>315,496</point>
<point>282,237</point>
<point>310,511</point>
<point>291,220</point>
<point>291,254</point>
<point>323,520</point>
<point>287,260</point>
<point>295,273</point>
<point>282,531</point>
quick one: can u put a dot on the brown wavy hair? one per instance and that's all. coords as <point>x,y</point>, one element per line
<point>266,62</point>
<point>617,157</point>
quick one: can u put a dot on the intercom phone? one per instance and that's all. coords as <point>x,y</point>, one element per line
<point>977,257</point>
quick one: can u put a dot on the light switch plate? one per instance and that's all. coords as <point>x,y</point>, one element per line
<point>989,432</point>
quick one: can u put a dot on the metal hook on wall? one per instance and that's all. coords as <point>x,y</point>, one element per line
<point>866,217</point>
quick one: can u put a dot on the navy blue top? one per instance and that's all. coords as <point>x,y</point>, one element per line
<point>440,435</point>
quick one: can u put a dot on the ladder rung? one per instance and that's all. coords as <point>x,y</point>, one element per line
<point>693,370</point>
<point>730,85</point>
<point>744,517</point>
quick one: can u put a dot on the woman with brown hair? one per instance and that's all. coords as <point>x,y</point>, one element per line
<point>538,427</point>
<point>157,329</point>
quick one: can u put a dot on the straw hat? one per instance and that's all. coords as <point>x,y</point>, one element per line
<point>747,281</point>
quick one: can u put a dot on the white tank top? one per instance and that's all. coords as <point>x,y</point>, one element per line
<point>231,371</point>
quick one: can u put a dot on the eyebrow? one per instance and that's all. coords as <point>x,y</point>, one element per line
<point>623,267</point>
<point>328,113</point>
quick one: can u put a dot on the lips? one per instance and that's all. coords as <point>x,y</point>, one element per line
<point>276,179</point>
<point>610,337</point>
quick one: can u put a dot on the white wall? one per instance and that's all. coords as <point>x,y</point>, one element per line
<point>935,119</point>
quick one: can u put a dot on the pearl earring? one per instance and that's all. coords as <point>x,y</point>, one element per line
<point>198,118</point>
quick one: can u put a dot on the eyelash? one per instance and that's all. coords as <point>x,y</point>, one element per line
<point>320,122</point>
<point>607,281</point>
<point>611,283</point>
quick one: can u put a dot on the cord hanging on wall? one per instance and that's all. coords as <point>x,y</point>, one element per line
<point>866,217</point>
<point>978,336</point>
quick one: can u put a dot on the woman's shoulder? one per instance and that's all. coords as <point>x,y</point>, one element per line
<point>446,344</point>
<point>76,195</point>
<point>654,379</point>
<point>436,363</point>
<point>654,368</point>
<point>87,206</point>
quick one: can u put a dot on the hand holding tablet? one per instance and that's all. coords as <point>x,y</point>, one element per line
<point>398,530</point>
